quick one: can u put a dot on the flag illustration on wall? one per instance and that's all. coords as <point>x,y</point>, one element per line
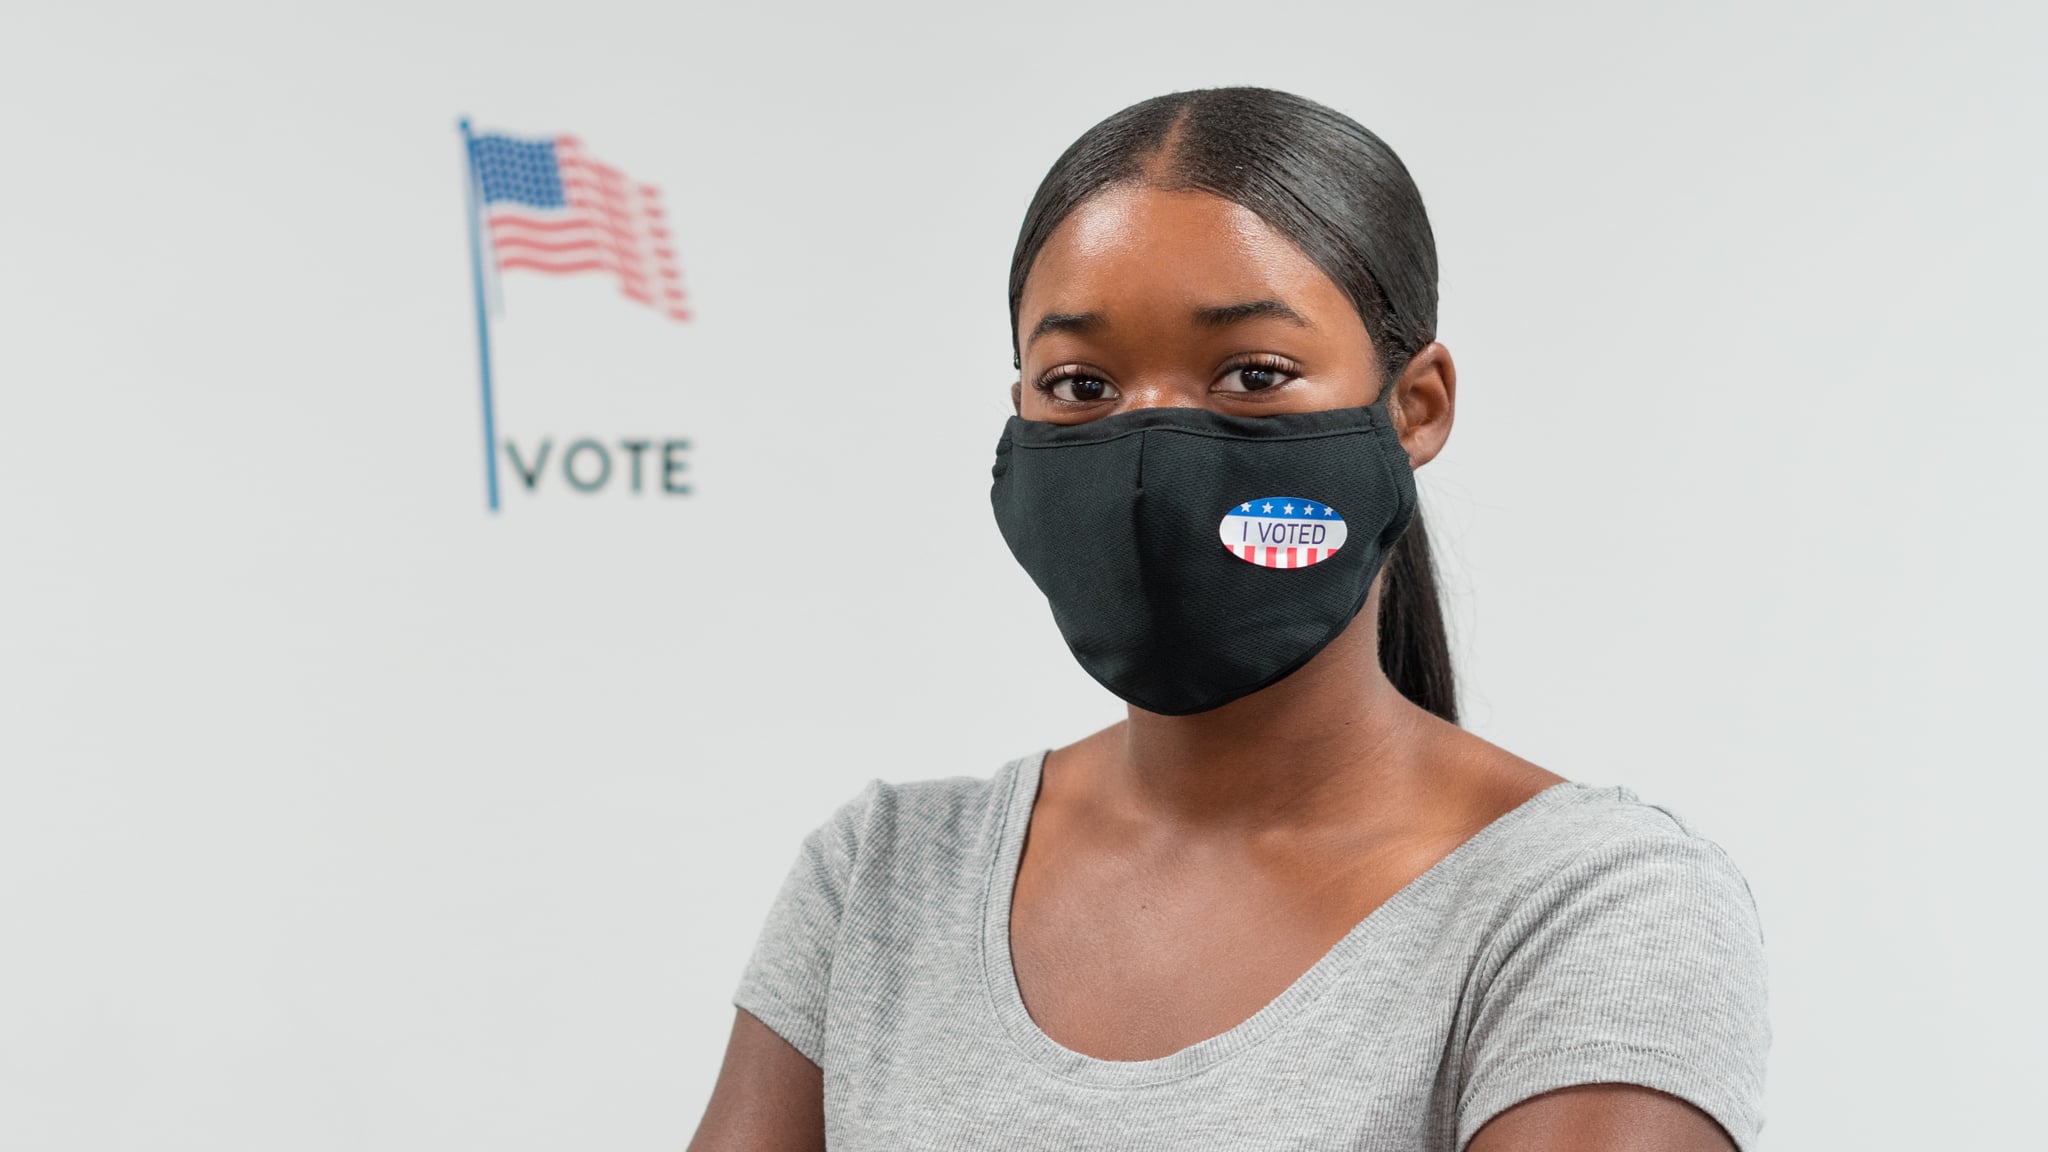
<point>550,207</point>
<point>544,205</point>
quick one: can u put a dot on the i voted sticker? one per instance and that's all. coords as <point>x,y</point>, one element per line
<point>1282,532</point>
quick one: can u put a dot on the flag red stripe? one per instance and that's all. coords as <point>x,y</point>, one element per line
<point>553,255</point>
<point>522,243</point>
<point>554,224</point>
<point>542,266</point>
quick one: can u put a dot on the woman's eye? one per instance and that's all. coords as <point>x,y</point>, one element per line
<point>1253,378</point>
<point>1082,389</point>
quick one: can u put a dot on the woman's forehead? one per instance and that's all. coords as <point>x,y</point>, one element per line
<point>1138,241</point>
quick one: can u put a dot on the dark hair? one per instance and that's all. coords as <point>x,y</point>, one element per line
<point>1345,199</point>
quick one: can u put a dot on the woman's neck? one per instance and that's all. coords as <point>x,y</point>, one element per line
<point>1332,737</point>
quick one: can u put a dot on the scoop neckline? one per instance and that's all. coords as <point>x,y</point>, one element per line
<point>1365,938</point>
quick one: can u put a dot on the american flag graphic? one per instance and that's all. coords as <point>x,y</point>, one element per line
<point>1282,532</point>
<point>550,207</point>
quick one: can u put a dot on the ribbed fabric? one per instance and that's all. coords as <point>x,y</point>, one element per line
<point>1583,937</point>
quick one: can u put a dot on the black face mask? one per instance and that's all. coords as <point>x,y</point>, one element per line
<point>1191,558</point>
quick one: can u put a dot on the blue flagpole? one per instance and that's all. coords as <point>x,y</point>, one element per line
<point>483,326</point>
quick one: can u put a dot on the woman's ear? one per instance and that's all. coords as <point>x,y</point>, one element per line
<point>1425,401</point>
<point>1017,395</point>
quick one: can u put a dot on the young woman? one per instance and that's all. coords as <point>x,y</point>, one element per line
<point>1287,903</point>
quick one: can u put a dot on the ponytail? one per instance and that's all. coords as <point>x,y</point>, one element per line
<point>1415,651</point>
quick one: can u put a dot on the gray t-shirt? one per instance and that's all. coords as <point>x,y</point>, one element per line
<point>1585,936</point>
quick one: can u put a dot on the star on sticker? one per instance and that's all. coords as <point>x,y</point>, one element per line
<point>1290,509</point>
<point>1266,508</point>
<point>1329,511</point>
<point>1246,508</point>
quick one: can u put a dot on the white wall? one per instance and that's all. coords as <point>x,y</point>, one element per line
<point>336,814</point>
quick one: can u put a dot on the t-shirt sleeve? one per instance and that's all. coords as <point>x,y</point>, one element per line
<point>787,977</point>
<point>1639,962</point>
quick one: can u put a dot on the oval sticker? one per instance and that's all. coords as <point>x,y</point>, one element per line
<point>1282,532</point>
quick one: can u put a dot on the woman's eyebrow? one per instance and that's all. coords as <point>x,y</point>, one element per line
<point>1065,322</point>
<point>1219,315</point>
<point>1208,316</point>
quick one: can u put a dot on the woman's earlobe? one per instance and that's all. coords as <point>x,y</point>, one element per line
<point>1017,395</point>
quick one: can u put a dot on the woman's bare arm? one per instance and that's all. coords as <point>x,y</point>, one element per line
<point>1601,1118</point>
<point>769,1096</point>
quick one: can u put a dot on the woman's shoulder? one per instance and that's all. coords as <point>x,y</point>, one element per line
<point>1607,828</point>
<point>888,859</point>
<point>929,821</point>
<point>1549,830</point>
<point>1598,896</point>
<point>1615,941</point>
<point>1576,839</point>
<point>1580,868</point>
